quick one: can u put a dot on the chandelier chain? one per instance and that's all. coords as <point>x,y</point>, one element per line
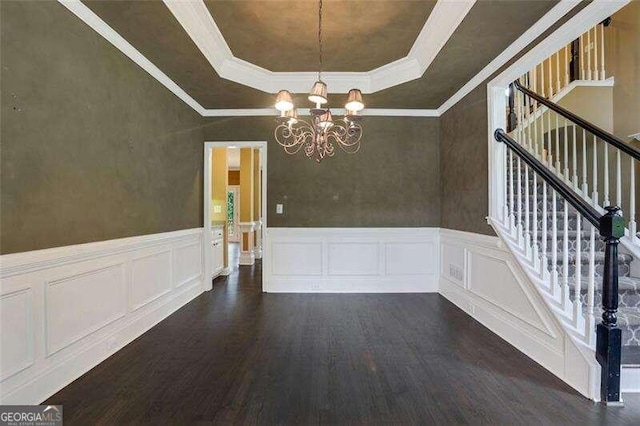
<point>320,41</point>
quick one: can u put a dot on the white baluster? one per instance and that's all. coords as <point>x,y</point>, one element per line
<point>550,78</point>
<point>577,275</point>
<point>581,53</point>
<point>505,214</point>
<point>557,71</point>
<point>554,243</point>
<point>542,88</point>
<point>590,320</point>
<point>594,193</point>
<point>566,151</point>
<point>543,249</point>
<point>602,73</point>
<point>557,153</point>
<point>567,65</point>
<point>527,216</point>
<point>575,160</point>
<point>549,156</point>
<point>595,53</point>
<point>606,201</point>
<point>535,253</point>
<point>589,74</point>
<point>632,200</point>
<point>512,218</point>
<point>585,185</point>
<point>566,295</point>
<point>520,227</point>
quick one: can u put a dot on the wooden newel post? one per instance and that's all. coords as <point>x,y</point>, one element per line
<point>608,334</point>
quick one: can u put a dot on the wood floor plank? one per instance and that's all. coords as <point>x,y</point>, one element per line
<point>238,356</point>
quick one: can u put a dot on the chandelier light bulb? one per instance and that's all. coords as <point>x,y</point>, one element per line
<point>292,116</point>
<point>284,101</point>
<point>325,121</point>
<point>354,101</point>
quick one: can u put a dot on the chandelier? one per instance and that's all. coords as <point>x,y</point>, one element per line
<point>321,133</point>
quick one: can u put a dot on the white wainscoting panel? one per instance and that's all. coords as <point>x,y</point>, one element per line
<point>16,317</point>
<point>78,305</point>
<point>351,260</point>
<point>482,278</point>
<point>150,278</point>
<point>64,310</point>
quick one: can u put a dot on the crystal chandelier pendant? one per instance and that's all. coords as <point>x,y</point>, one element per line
<point>321,133</point>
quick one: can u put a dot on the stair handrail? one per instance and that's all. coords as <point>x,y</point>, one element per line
<point>591,128</point>
<point>583,207</point>
<point>611,226</point>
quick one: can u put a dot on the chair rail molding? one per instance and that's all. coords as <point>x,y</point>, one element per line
<point>66,309</point>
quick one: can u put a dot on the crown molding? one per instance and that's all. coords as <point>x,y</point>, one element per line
<point>195,19</point>
<point>594,11</point>
<point>87,16</point>
<point>368,112</point>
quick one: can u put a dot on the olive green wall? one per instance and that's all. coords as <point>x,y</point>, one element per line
<point>93,148</point>
<point>394,181</point>
<point>464,164</point>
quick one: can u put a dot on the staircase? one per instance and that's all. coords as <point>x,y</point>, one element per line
<point>568,208</point>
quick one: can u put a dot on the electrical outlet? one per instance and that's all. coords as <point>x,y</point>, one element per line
<point>279,208</point>
<point>456,272</point>
<point>315,286</point>
<point>217,209</point>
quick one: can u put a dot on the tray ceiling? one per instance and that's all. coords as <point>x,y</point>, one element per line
<point>154,31</point>
<point>282,35</point>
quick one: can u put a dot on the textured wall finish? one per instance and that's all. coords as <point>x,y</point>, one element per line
<point>394,181</point>
<point>93,148</point>
<point>464,164</point>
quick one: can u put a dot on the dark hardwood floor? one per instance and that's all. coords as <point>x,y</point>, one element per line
<point>237,356</point>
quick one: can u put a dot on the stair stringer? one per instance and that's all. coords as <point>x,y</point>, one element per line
<point>498,290</point>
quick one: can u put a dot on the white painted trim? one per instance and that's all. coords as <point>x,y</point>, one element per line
<point>351,260</point>
<point>367,112</point>
<point>201,27</point>
<point>62,338</point>
<point>526,321</point>
<point>395,69</point>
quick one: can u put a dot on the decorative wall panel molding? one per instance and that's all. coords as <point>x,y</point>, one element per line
<point>351,260</point>
<point>481,277</point>
<point>65,310</point>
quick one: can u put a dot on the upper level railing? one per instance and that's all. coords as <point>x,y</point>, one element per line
<point>527,180</point>
<point>585,156</point>
<point>583,59</point>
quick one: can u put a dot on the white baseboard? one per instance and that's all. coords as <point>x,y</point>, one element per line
<point>65,310</point>
<point>351,260</point>
<point>481,277</point>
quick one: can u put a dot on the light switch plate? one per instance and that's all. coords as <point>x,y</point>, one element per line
<point>279,208</point>
<point>217,209</point>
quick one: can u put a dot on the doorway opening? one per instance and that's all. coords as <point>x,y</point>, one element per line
<point>234,205</point>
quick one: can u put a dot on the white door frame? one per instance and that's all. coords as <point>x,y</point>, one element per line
<point>207,186</point>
